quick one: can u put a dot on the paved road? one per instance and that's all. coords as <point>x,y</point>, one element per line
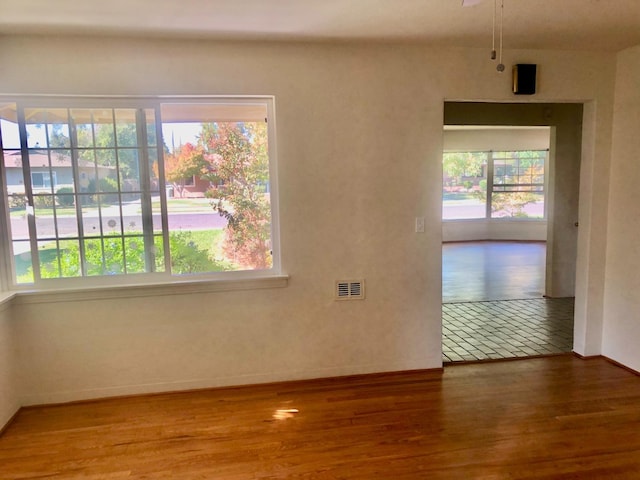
<point>67,226</point>
<point>457,211</point>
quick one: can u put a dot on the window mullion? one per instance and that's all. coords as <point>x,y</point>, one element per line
<point>163,192</point>
<point>73,143</point>
<point>98,190</point>
<point>120,180</point>
<point>5,226</point>
<point>145,188</point>
<point>53,207</point>
<point>28,191</point>
<point>490,171</point>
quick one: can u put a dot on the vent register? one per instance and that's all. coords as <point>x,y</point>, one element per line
<point>350,290</point>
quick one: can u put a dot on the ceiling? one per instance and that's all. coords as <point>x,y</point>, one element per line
<point>606,25</point>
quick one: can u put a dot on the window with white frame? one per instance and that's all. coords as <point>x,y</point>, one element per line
<point>94,189</point>
<point>493,184</point>
<point>43,179</point>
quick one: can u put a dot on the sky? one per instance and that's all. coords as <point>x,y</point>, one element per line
<point>174,134</point>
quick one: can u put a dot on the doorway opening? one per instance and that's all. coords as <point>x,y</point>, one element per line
<point>506,294</point>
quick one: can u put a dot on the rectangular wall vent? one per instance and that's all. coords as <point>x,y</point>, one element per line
<point>350,290</point>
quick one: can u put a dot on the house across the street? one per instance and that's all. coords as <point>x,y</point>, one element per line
<point>51,171</point>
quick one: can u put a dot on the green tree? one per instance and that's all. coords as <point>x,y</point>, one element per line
<point>456,165</point>
<point>58,136</point>
<point>126,136</point>
<point>105,137</point>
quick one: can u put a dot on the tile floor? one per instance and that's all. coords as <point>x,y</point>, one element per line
<point>489,330</point>
<point>494,306</point>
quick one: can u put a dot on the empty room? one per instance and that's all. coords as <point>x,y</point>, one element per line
<point>221,238</point>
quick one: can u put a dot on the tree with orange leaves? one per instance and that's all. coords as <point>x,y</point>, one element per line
<point>237,165</point>
<point>186,162</point>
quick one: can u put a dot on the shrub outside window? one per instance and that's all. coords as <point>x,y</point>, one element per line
<point>96,190</point>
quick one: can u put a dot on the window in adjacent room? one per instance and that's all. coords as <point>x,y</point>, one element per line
<point>94,189</point>
<point>464,185</point>
<point>493,184</point>
<point>518,184</point>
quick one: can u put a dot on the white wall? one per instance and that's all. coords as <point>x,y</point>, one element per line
<point>621,336</point>
<point>494,229</point>
<point>460,139</point>
<point>9,391</point>
<point>358,126</point>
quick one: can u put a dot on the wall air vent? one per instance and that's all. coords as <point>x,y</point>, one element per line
<point>350,290</point>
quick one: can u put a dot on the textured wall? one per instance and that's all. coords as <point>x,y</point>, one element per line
<point>359,157</point>
<point>9,391</point>
<point>622,305</point>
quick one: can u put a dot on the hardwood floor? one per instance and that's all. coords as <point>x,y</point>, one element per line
<point>547,418</point>
<point>495,270</point>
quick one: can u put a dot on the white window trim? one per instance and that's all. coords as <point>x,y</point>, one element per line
<point>161,283</point>
<point>33,296</point>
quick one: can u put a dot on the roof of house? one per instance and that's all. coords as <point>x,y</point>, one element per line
<point>40,159</point>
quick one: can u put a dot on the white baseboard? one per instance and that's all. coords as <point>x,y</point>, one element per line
<point>58,397</point>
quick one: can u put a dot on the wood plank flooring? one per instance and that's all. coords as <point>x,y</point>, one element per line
<point>546,418</point>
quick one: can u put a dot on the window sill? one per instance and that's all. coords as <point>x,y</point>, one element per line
<point>145,290</point>
<point>498,219</point>
<point>5,300</point>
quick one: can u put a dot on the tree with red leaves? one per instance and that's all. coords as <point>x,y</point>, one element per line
<point>185,163</point>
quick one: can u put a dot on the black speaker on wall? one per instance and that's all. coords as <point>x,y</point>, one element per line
<point>524,78</point>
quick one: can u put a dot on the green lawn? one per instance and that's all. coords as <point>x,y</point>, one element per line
<point>45,211</point>
<point>48,211</point>
<point>209,240</point>
<point>184,204</point>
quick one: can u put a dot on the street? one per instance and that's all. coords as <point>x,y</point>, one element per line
<point>68,227</point>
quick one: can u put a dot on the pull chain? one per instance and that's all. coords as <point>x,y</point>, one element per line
<point>493,39</point>
<point>500,66</point>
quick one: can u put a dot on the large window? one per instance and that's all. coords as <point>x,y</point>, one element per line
<point>94,190</point>
<point>505,184</point>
